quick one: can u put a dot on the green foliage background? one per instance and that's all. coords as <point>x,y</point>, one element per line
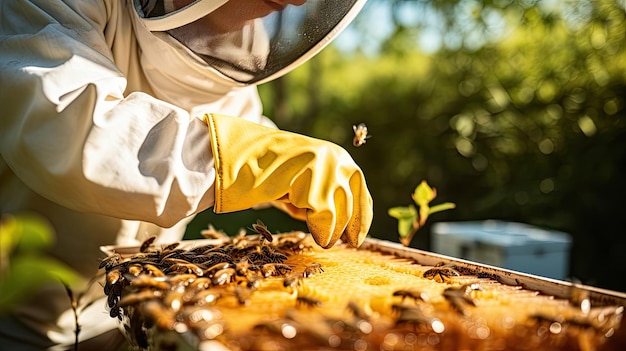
<point>528,125</point>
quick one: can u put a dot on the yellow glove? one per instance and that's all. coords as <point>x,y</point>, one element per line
<point>312,179</point>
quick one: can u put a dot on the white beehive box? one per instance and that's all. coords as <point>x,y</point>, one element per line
<point>516,246</point>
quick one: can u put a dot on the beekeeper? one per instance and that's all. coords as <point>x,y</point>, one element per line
<point>121,119</point>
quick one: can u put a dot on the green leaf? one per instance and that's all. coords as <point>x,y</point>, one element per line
<point>442,207</point>
<point>405,226</point>
<point>401,212</point>
<point>405,216</point>
<point>29,271</point>
<point>31,232</point>
<point>423,194</point>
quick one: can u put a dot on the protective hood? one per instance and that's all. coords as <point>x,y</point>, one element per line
<point>250,41</point>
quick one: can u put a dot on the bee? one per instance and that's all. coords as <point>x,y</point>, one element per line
<point>360,134</point>
<point>170,247</point>
<point>415,316</point>
<point>116,312</point>
<point>459,298</point>
<point>204,297</point>
<point>200,283</point>
<point>153,270</point>
<point>274,269</point>
<point>212,233</point>
<point>223,276</point>
<point>307,301</point>
<point>411,294</point>
<point>217,257</point>
<point>262,230</point>
<point>174,299</point>
<point>112,300</point>
<point>254,280</point>
<point>292,281</point>
<point>358,311</point>
<point>146,281</point>
<point>441,271</point>
<point>110,261</point>
<point>135,269</point>
<point>180,267</point>
<point>113,277</point>
<point>293,243</point>
<point>146,244</point>
<point>182,279</point>
<point>218,266</point>
<point>273,256</point>
<point>312,269</point>
<point>157,313</point>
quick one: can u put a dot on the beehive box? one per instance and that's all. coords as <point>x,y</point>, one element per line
<point>289,294</point>
<point>511,245</point>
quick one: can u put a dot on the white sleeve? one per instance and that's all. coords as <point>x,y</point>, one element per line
<point>71,135</point>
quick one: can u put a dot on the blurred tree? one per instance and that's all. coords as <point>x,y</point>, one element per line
<point>513,110</point>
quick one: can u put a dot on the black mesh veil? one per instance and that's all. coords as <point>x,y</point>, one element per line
<point>252,41</point>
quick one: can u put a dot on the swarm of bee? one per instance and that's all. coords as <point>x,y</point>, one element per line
<point>157,285</point>
<point>296,296</point>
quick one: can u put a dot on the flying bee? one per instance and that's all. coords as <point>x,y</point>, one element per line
<point>261,229</point>
<point>360,134</point>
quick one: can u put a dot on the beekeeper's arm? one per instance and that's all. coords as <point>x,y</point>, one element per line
<point>72,134</point>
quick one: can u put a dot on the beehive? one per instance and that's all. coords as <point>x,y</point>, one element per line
<point>381,296</point>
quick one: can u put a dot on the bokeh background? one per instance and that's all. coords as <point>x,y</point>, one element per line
<point>513,110</point>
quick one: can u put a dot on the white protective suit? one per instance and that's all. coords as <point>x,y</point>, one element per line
<point>102,134</point>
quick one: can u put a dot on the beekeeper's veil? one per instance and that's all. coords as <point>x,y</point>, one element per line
<point>250,41</point>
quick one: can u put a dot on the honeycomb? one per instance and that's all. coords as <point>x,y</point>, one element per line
<point>285,293</point>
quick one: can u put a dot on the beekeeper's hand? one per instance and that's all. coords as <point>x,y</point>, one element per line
<point>312,179</point>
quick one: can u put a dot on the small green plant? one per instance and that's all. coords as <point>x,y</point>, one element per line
<point>410,219</point>
<point>24,265</point>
